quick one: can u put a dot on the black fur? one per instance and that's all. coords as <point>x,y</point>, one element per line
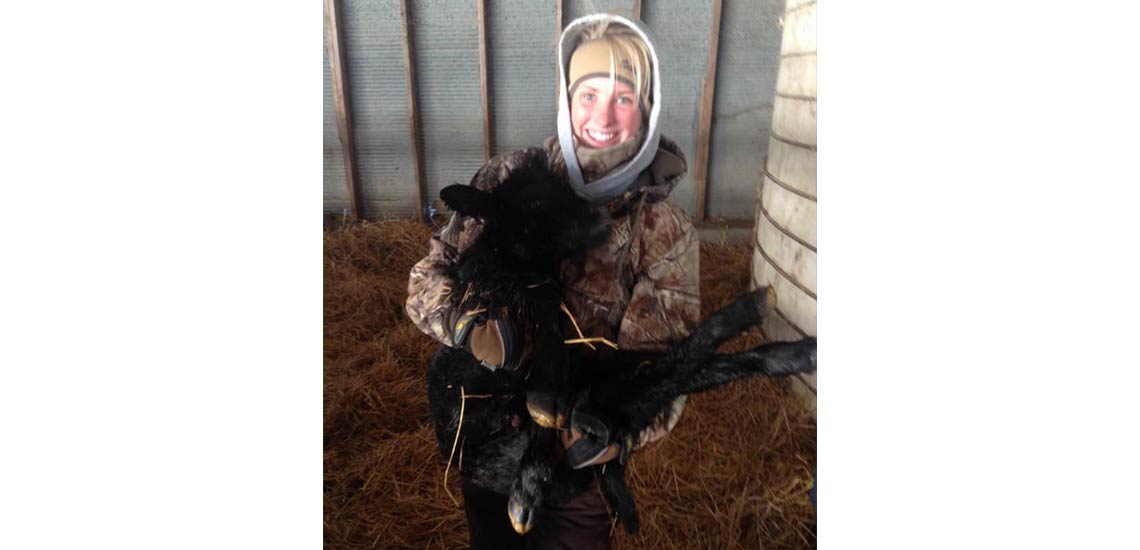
<point>624,395</point>
<point>532,222</point>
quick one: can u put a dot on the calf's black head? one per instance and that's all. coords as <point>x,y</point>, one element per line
<point>532,219</point>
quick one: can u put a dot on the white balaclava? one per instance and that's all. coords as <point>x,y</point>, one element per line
<point>615,183</point>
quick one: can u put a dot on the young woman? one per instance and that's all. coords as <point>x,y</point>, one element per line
<point>640,289</point>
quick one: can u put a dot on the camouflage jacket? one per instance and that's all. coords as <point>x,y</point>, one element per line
<point>641,289</point>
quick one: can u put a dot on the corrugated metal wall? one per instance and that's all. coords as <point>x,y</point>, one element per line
<point>336,193</point>
<point>521,36</point>
<point>745,88</point>
<point>445,36</point>
<point>682,33</point>
<point>377,93</point>
<point>573,9</point>
<point>521,40</point>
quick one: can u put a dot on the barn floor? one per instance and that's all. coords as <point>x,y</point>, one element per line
<point>735,473</point>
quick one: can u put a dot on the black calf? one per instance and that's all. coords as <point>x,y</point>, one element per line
<point>531,223</point>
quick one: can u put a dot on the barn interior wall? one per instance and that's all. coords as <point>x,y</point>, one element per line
<point>682,34</point>
<point>521,37</point>
<point>745,89</point>
<point>335,190</point>
<point>378,95</point>
<point>521,41</point>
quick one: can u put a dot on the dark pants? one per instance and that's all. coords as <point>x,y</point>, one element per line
<point>579,524</point>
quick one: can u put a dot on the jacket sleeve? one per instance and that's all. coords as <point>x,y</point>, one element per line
<point>430,284</point>
<point>665,305</point>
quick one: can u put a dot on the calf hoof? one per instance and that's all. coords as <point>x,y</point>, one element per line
<point>630,522</point>
<point>543,409</point>
<point>522,517</point>
<point>760,302</point>
<point>769,302</point>
<point>809,350</point>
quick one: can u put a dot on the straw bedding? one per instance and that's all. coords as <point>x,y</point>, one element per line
<point>735,472</point>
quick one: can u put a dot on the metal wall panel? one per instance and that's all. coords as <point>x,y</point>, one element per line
<point>745,89</point>
<point>682,33</point>
<point>446,40</point>
<point>521,37</point>
<point>336,190</point>
<point>573,9</point>
<point>378,97</point>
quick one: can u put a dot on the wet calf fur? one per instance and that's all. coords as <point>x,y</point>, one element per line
<point>532,222</point>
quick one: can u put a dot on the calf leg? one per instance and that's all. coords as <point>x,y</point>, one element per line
<point>534,475</point>
<point>619,495</point>
<point>776,359</point>
<point>548,382</point>
<point>728,322</point>
<point>647,397</point>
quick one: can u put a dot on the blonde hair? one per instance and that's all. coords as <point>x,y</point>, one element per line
<point>626,44</point>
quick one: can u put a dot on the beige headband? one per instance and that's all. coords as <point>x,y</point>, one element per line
<point>592,59</point>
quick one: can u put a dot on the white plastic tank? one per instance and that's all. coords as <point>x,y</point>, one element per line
<point>784,253</point>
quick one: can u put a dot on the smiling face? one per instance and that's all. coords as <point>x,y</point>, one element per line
<point>604,112</point>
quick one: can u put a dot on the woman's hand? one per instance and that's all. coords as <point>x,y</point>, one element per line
<point>487,344</point>
<point>571,436</point>
<point>492,339</point>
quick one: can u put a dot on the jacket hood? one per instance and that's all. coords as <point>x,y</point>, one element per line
<point>618,181</point>
<point>666,169</point>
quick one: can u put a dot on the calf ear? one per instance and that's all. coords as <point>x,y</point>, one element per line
<point>467,200</point>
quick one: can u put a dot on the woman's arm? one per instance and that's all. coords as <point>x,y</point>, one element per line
<point>430,284</point>
<point>665,305</point>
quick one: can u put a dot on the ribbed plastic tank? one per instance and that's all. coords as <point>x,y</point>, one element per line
<point>784,255</point>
